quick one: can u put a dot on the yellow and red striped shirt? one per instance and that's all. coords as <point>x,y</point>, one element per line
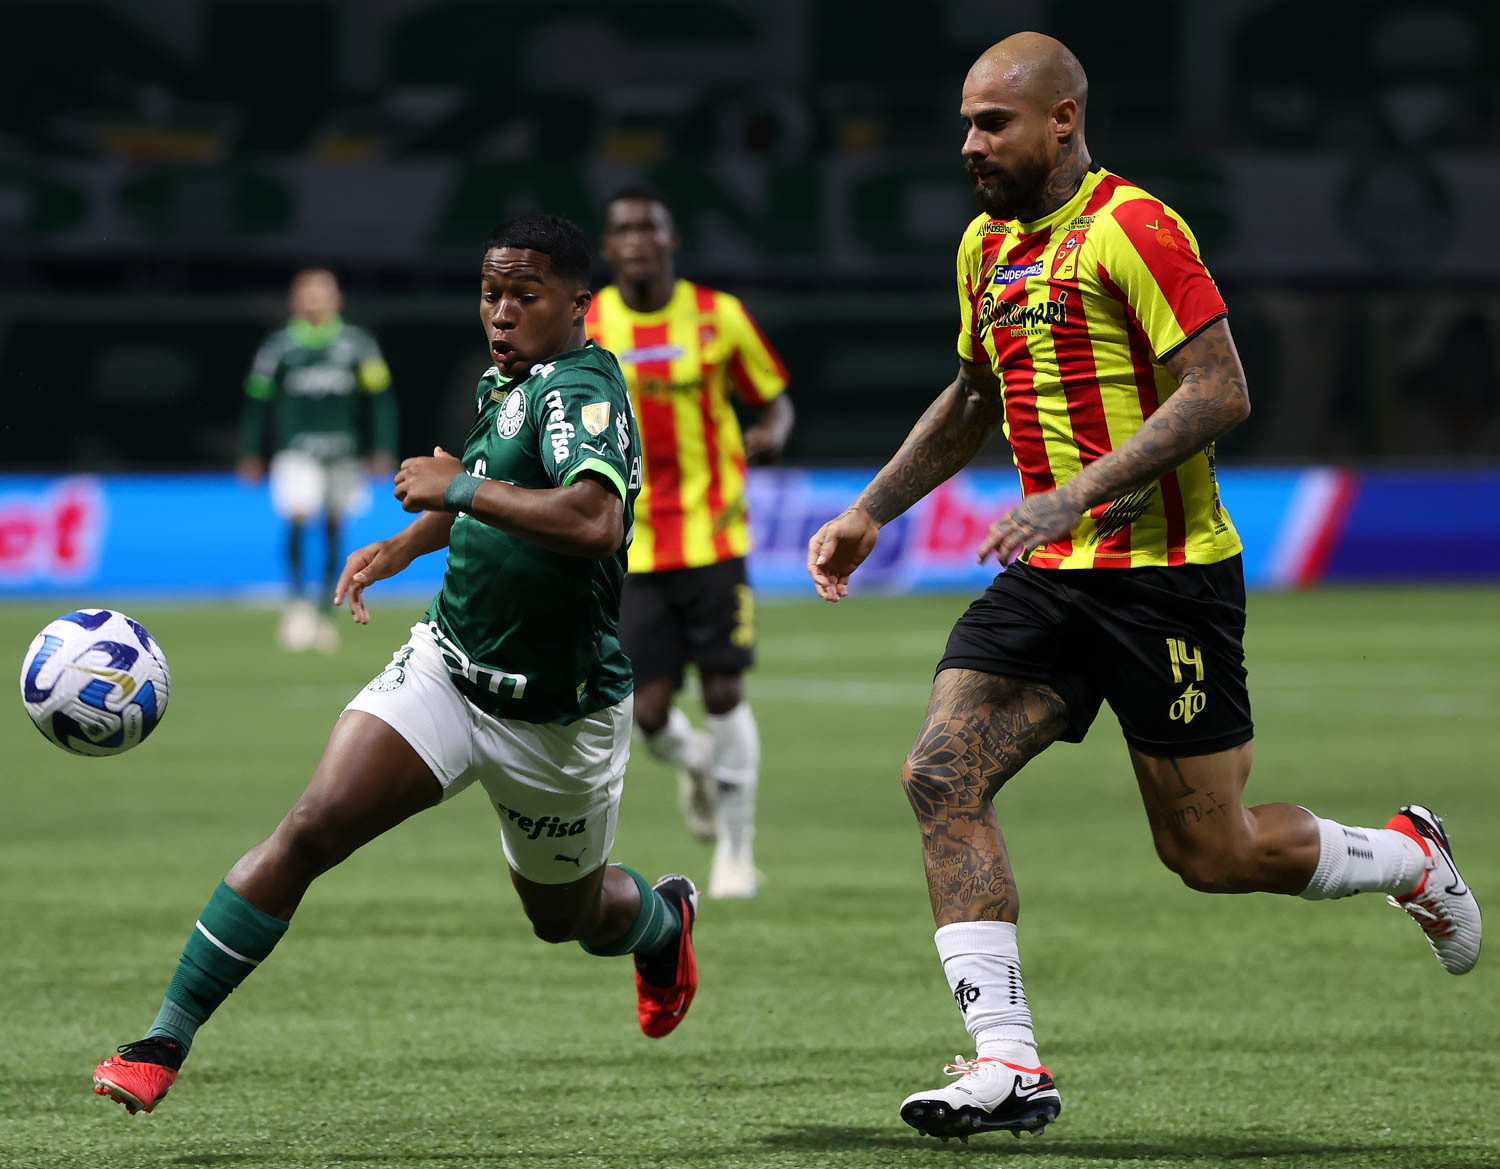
<point>681,364</point>
<point>1076,312</point>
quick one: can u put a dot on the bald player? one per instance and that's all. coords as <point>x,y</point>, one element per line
<point>1091,330</point>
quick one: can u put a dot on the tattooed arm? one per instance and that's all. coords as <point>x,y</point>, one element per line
<point>950,433</point>
<point>1210,400</point>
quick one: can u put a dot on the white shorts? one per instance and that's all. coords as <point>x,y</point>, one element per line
<point>303,486</point>
<point>556,787</point>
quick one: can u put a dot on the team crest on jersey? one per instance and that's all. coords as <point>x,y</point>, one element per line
<point>1065,261</point>
<point>512,414</point>
<point>595,417</point>
<point>394,675</point>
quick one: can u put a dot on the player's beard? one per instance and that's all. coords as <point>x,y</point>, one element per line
<point>1020,190</point>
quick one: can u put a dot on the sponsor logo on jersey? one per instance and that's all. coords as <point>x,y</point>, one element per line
<point>512,414</point>
<point>1023,320</point>
<point>320,381</point>
<point>595,417</point>
<point>459,663</point>
<point>542,371</point>
<point>559,430</point>
<point>1010,273</point>
<point>992,227</point>
<point>544,826</point>
<point>652,353</point>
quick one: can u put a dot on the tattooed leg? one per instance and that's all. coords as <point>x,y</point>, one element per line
<point>1204,833</point>
<point>980,730</point>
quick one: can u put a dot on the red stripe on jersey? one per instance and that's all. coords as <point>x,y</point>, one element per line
<point>988,248</point>
<point>711,430</point>
<point>1143,366</point>
<point>591,321</point>
<point>658,426</point>
<point>775,357</point>
<point>1080,383</point>
<point>1013,356</point>
<point>1169,256</point>
<point>1171,497</point>
<point>1103,193</point>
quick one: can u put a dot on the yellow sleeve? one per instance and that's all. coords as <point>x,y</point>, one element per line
<point>755,370</point>
<point>969,273</point>
<point>1152,257</point>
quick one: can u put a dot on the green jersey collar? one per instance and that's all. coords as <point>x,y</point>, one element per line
<point>307,335</point>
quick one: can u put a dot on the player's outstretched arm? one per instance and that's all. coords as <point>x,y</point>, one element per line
<point>1211,399</point>
<point>950,433</point>
<point>385,558</point>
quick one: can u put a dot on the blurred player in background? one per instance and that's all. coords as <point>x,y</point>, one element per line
<point>514,677</point>
<point>1092,330</point>
<point>685,349</point>
<point>320,392</point>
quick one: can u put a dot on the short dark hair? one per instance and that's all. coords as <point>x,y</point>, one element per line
<point>559,238</point>
<point>644,191</point>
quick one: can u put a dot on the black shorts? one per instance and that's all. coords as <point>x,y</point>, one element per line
<point>1163,646</point>
<point>701,615</point>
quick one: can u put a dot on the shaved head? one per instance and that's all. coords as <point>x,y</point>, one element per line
<point>1036,66</point>
<point>1023,104</point>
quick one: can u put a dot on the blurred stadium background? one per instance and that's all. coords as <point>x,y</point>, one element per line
<point>165,167</point>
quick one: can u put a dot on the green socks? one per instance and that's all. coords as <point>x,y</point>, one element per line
<point>231,938</point>
<point>655,929</point>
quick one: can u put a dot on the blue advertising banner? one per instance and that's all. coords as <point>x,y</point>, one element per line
<point>95,539</point>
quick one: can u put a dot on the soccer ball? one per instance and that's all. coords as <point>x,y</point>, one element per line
<point>95,682</point>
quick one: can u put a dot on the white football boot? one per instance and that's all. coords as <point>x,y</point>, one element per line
<point>989,1095</point>
<point>697,796</point>
<point>733,875</point>
<point>1442,904</point>
<point>298,627</point>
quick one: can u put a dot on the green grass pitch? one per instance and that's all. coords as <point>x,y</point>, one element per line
<point>409,1019</point>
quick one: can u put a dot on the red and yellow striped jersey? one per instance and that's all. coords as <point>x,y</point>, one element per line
<point>1076,312</point>
<point>681,363</point>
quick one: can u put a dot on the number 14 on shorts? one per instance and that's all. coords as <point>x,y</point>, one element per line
<point>1192,700</point>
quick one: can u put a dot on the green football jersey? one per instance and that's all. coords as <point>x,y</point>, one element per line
<point>528,633</point>
<point>319,382</point>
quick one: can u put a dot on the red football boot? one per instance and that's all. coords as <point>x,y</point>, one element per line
<point>141,1074</point>
<point>666,982</point>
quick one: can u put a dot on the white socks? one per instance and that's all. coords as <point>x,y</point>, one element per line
<point>983,965</point>
<point>1364,860</point>
<point>679,743</point>
<point>736,768</point>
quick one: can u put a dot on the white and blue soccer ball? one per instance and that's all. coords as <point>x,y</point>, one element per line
<point>95,682</point>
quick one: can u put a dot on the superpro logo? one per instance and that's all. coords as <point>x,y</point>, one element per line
<point>546,826</point>
<point>1010,273</point>
<point>558,429</point>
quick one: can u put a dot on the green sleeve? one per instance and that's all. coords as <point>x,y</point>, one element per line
<point>384,421</point>
<point>258,390</point>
